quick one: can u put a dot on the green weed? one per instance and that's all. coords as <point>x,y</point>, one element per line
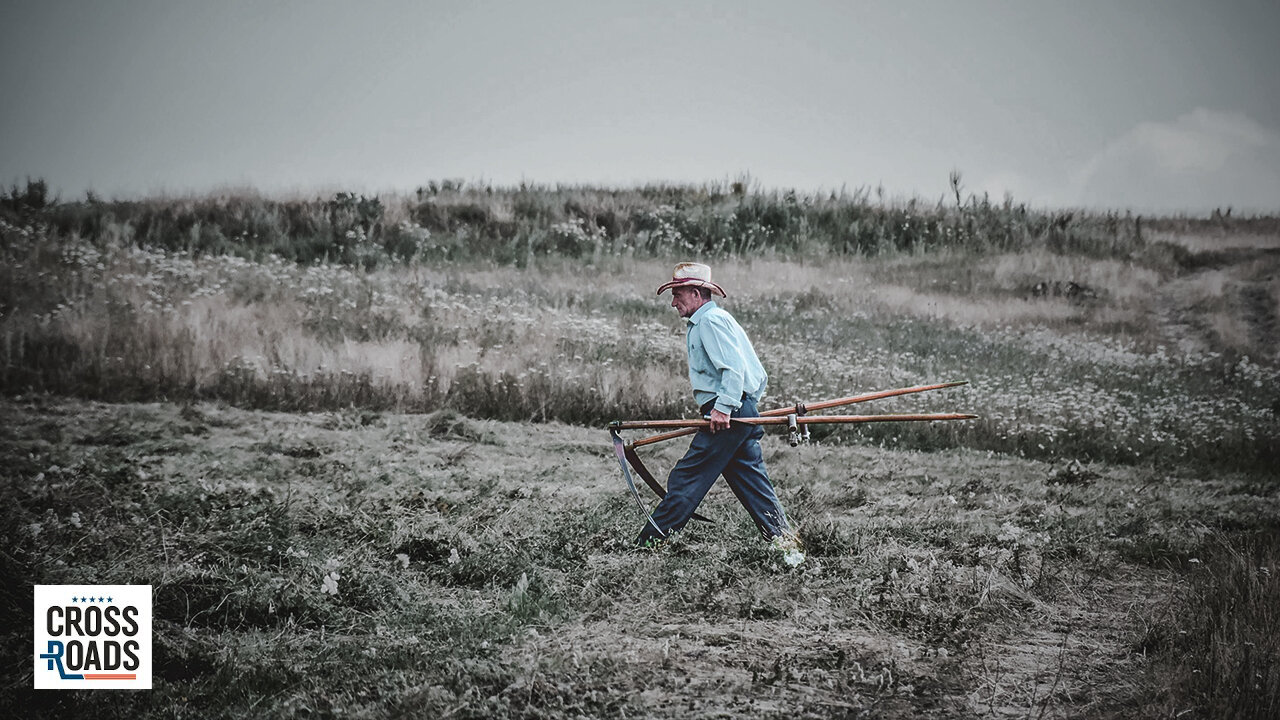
<point>1213,642</point>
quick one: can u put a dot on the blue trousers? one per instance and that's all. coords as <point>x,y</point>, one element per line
<point>734,453</point>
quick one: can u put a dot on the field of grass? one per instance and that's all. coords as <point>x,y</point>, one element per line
<point>371,481</point>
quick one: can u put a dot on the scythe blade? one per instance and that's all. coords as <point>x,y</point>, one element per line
<point>620,451</point>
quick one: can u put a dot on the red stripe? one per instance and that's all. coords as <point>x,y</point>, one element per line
<point>110,676</point>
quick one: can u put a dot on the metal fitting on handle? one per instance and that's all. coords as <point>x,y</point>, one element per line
<point>804,436</point>
<point>794,428</point>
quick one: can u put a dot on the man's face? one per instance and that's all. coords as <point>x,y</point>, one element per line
<point>686,300</point>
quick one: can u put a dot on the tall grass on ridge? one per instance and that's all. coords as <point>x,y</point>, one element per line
<point>459,221</point>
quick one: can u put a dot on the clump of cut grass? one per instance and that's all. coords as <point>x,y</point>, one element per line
<point>450,424</point>
<point>1073,473</point>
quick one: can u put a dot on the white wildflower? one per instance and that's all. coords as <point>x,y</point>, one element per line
<point>789,546</point>
<point>330,583</point>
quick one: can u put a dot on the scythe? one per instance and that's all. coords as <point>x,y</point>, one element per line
<point>794,416</point>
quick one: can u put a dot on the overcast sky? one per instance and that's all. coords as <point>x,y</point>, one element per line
<point>1151,105</point>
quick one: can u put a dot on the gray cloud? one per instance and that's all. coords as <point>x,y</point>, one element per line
<point>1194,163</point>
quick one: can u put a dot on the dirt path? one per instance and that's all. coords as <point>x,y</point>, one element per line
<point>1227,298</point>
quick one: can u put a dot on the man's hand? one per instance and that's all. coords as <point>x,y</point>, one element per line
<point>719,421</point>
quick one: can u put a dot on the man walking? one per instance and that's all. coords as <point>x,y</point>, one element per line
<point>728,380</point>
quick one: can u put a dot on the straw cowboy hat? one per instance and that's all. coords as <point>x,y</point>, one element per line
<point>695,274</point>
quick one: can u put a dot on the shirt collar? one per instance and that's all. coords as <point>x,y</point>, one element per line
<point>707,307</point>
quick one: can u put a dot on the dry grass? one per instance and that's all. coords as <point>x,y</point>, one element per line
<point>1035,562</point>
<point>988,312</point>
<point>1222,239</point>
<point>484,570</point>
<point>533,343</point>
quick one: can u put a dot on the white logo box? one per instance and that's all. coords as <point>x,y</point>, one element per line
<point>92,637</point>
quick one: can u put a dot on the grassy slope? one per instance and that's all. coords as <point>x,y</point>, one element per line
<point>1103,542</point>
<point>949,583</point>
<point>1123,375</point>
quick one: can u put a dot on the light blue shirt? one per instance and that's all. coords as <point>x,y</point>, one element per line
<point>722,363</point>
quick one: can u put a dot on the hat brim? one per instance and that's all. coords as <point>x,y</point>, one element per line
<point>693,282</point>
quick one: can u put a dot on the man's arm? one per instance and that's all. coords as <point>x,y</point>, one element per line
<point>726,358</point>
